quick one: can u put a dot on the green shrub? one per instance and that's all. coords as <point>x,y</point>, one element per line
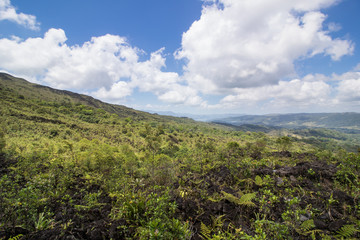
<point>2,141</point>
<point>284,143</point>
<point>151,215</point>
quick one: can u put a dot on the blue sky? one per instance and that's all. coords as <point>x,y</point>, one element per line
<point>223,56</point>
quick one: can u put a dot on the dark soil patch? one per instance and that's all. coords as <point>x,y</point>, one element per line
<point>315,178</point>
<point>312,182</point>
<point>5,163</point>
<point>317,181</point>
<point>312,170</point>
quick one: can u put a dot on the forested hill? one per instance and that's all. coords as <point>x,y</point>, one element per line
<point>24,90</point>
<point>350,121</point>
<point>73,167</point>
<point>320,129</point>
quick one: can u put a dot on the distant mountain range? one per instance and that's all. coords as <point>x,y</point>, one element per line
<point>346,122</point>
<point>196,117</point>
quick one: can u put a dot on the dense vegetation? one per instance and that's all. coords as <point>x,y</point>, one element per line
<point>72,167</point>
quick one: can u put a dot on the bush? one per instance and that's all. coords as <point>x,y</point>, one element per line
<point>151,215</point>
<point>2,141</point>
<point>284,143</point>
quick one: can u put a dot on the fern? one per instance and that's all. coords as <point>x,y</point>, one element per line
<point>245,200</point>
<point>306,229</point>
<point>307,225</point>
<point>216,226</point>
<point>213,199</point>
<point>218,222</point>
<point>18,237</point>
<point>247,181</point>
<point>230,197</point>
<point>205,231</point>
<point>347,231</point>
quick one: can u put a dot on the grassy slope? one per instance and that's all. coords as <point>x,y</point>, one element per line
<point>30,91</point>
<point>74,167</point>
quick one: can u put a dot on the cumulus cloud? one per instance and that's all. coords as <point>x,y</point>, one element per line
<point>8,12</point>
<point>100,62</point>
<point>246,44</point>
<point>311,93</point>
<point>348,89</point>
<point>107,67</point>
<point>149,77</point>
<point>97,63</point>
<point>118,90</point>
<point>34,55</point>
<point>295,93</point>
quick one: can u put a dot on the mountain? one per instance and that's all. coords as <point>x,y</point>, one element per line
<point>339,121</point>
<point>196,117</point>
<point>10,86</point>
<point>29,90</point>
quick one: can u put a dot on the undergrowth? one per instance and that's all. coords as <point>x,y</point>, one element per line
<point>72,171</point>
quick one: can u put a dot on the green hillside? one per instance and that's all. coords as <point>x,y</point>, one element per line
<point>24,90</point>
<point>73,167</point>
<point>300,120</point>
<point>323,130</point>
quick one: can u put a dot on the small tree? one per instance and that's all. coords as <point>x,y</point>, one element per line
<point>284,143</point>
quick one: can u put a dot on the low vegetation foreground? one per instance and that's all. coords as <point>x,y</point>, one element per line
<point>72,167</point>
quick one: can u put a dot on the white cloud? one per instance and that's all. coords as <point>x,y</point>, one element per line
<point>316,78</point>
<point>245,44</point>
<point>107,67</point>
<point>357,67</point>
<point>348,89</point>
<point>100,62</point>
<point>182,95</point>
<point>296,93</point>
<point>33,56</point>
<point>118,90</point>
<point>334,27</point>
<point>148,77</point>
<point>311,93</point>
<point>97,63</point>
<point>8,12</point>
<point>346,76</point>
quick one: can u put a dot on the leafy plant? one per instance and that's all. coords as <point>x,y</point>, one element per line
<point>267,229</point>
<point>245,200</point>
<point>307,229</point>
<point>262,181</point>
<point>43,223</point>
<point>17,237</point>
<point>215,229</point>
<point>307,225</point>
<point>347,231</point>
